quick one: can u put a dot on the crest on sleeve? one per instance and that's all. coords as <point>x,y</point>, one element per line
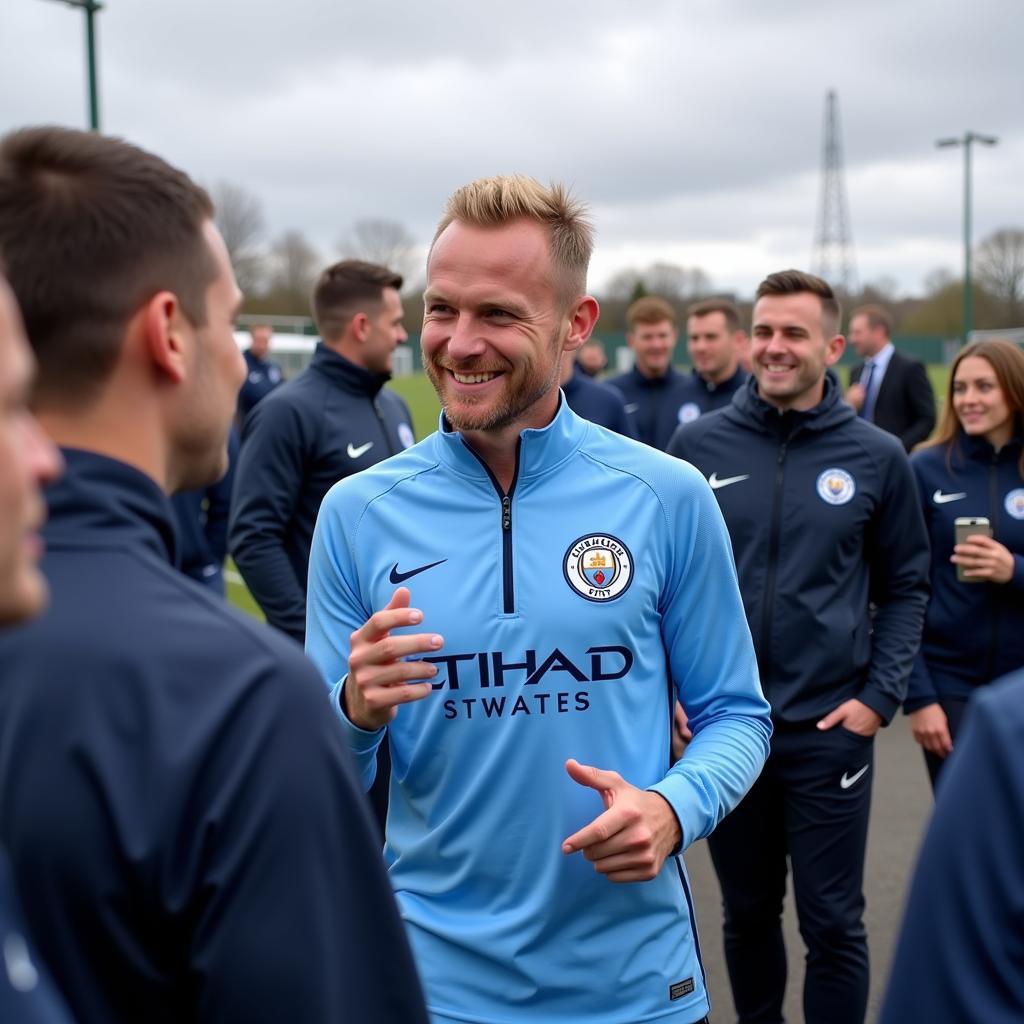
<point>598,566</point>
<point>836,486</point>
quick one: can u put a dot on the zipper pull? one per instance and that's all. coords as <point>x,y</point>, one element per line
<point>506,513</point>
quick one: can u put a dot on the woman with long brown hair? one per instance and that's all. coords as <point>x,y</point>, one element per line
<point>972,468</point>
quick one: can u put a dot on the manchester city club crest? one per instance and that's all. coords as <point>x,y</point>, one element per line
<point>688,412</point>
<point>836,486</point>
<point>1014,503</point>
<point>598,567</point>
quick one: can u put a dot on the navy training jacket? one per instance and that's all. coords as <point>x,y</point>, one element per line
<point>332,420</point>
<point>181,814</point>
<point>598,402</point>
<point>974,632</point>
<point>824,519</point>
<point>655,404</point>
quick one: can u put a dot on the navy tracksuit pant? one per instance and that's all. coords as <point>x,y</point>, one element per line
<point>810,804</point>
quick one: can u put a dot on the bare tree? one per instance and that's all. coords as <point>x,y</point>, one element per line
<point>386,242</point>
<point>999,263</point>
<point>671,281</point>
<point>294,268</point>
<point>239,216</point>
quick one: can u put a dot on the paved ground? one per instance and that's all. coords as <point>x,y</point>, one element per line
<point>901,803</point>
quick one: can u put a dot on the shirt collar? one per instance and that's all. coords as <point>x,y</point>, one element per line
<point>880,361</point>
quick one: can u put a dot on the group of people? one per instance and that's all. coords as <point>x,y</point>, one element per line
<point>506,626</point>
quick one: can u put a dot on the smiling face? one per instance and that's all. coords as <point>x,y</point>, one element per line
<point>714,348</point>
<point>980,403</point>
<point>384,333</point>
<point>653,345</point>
<point>28,460</point>
<point>494,326</point>
<point>790,350</point>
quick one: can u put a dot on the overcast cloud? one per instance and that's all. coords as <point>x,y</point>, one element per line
<point>694,127</point>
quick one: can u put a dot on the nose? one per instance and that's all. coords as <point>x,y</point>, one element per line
<point>465,341</point>
<point>45,463</point>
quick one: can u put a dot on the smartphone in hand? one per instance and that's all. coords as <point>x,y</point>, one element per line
<point>969,526</point>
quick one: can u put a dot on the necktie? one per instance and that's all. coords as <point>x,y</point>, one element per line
<point>868,406</point>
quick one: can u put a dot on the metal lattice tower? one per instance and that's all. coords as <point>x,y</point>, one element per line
<point>833,258</point>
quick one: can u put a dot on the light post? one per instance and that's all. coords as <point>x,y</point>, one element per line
<point>966,141</point>
<point>90,7</point>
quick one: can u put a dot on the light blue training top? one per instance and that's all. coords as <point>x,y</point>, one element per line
<point>573,614</point>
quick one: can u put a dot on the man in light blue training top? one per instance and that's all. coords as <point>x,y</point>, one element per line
<point>572,583</point>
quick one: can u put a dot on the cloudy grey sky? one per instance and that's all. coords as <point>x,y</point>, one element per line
<point>693,127</point>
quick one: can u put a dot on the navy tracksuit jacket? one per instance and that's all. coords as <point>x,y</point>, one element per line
<point>598,402</point>
<point>332,420</point>
<point>181,814</point>
<point>974,632</point>
<point>824,519</point>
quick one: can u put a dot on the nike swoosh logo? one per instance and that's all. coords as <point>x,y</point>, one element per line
<point>848,780</point>
<point>940,499</point>
<point>354,452</point>
<point>400,577</point>
<point>725,481</point>
<point>632,407</point>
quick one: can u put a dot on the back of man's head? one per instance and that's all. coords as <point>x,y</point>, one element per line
<point>347,288</point>
<point>91,228</point>
<point>650,310</point>
<point>796,282</point>
<point>495,202</point>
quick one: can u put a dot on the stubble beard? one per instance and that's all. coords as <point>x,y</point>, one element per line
<point>517,398</point>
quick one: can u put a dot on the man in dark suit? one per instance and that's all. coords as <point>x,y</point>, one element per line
<point>889,389</point>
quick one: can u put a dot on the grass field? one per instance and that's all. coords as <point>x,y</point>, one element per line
<point>425,409</point>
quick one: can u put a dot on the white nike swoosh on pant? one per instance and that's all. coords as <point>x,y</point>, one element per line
<point>354,452</point>
<point>940,499</point>
<point>847,781</point>
<point>725,481</point>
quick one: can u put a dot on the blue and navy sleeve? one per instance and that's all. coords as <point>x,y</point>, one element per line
<point>711,657</point>
<point>961,946</point>
<point>268,484</point>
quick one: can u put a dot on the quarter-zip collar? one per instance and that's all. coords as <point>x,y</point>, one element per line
<point>343,373</point>
<point>101,502</point>
<point>540,450</point>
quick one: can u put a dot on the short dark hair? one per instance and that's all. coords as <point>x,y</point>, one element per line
<point>347,288</point>
<point>793,282</point>
<point>92,227</point>
<point>705,307</point>
<point>650,310</point>
<point>877,316</point>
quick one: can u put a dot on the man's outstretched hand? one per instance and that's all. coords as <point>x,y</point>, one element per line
<point>631,839</point>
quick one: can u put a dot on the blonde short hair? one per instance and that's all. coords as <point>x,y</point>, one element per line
<point>494,202</point>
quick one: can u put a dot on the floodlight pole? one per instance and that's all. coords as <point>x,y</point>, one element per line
<point>966,141</point>
<point>90,7</point>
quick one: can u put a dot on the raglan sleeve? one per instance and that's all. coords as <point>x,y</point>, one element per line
<point>334,611</point>
<point>713,666</point>
<point>900,558</point>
